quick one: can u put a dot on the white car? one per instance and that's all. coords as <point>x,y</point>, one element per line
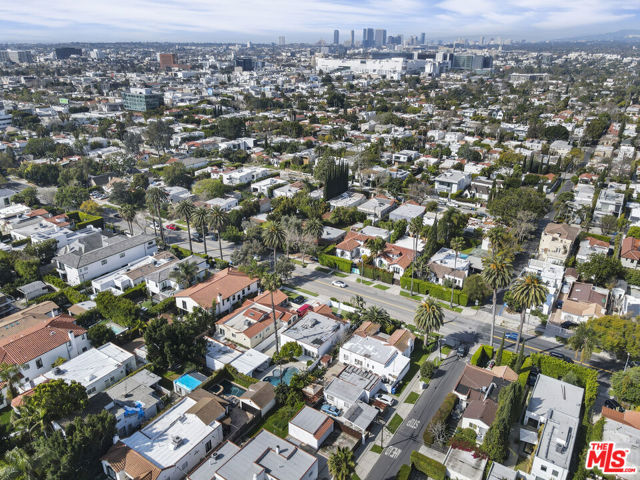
<point>386,399</point>
<point>339,283</point>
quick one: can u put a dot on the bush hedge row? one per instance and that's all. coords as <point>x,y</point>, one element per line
<point>433,289</point>
<point>55,281</point>
<point>332,261</point>
<point>430,467</point>
<point>404,472</point>
<point>162,306</point>
<point>442,415</point>
<point>376,273</point>
<point>482,356</point>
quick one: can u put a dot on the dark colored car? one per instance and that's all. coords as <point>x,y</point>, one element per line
<point>299,299</point>
<point>533,376</point>
<point>560,356</point>
<point>462,350</point>
<point>196,237</point>
<point>613,404</point>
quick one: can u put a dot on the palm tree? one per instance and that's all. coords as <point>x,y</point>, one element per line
<point>341,464</point>
<point>273,237</point>
<point>497,274</point>
<point>272,282</point>
<point>186,274</point>
<point>415,228</point>
<point>128,213</point>
<point>583,340</point>
<point>496,236</point>
<point>200,218</point>
<point>185,210</point>
<point>10,375</point>
<point>528,291</point>
<point>156,197</point>
<point>429,317</point>
<point>314,227</point>
<point>375,314</point>
<point>457,244</point>
<point>19,465</point>
<point>376,246</point>
<point>218,218</point>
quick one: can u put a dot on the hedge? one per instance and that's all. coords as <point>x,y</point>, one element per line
<point>556,368</point>
<point>332,261</point>
<point>17,243</point>
<point>83,219</point>
<point>376,273</point>
<point>162,306</point>
<point>482,356</point>
<point>240,378</point>
<point>404,472</point>
<point>442,415</point>
<point>430,467</point>
<point>55,281</point>
<point>135,293</point>
<point>433,289</point>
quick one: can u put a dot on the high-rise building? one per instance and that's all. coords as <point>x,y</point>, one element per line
<point>20,56</point>
<point>281,41</point>
<point>167,60</point>
<point>62,53</point>
<point>380,38</point>
<point>336,37</point>
<point>96,54</point>
<point>353,38</point>
<point>141,100</point>
<point>423,38</point>
<point>367,37</point>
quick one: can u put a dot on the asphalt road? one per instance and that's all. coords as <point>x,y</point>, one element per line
<point>408,437</point>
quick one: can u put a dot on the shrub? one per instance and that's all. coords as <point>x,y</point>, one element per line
<point>163,306</point>
<point>376,273</point>
<point>442,415</point>
<point>332,261</point>
<point>427,369</point>
<point>430,467</point>
<point>135,293</point>
<point>433,289</point>
<point>404,472</point>
<point>482,356</point>
<point>494,444</point>
<point>55,281</point>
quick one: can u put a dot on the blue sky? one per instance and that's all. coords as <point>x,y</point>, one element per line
<point>306,20</point>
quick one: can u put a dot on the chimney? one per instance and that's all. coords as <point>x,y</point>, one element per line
<point>116,439</point>
<point>278,449</point>
<point>564,393</point>
<point>74,344</point>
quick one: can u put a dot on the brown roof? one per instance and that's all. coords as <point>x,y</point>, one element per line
<point>401,339</point>
<point>504,372</point>
<point>367,328</point>
<point>122,458</point>
<point>265,298</point>
<point>594,242</point>
<point>484,410</point>
<point>38,339</point>
<point>628,417</point>
<point>630,248</point>
<point>582,308</point>
<point>584,292</point>
<point>566,232</point>
<point>474,378</point>
<point>260,393</point>
<point>225,283</point>
<point>26,318</point>
<point>207,410</point>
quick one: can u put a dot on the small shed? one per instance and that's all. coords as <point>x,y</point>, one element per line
<point>33,290</point>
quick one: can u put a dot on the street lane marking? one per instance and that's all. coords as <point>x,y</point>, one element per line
<point>392,452</point>
<point>413,423</point>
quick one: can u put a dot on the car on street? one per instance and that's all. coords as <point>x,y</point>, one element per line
<point>299,300</point>
<point>303,309</point>
<point>196,237</point>
<point>386,399</point>
<point>511,336</point>
<point>171,226</point>
<point>462,350</point>
<point>560,356</point>
<point>613,404</point>
<point>330,409</point>
<point>339,283</point>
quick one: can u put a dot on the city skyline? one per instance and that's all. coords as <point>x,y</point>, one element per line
<point>309,21</point>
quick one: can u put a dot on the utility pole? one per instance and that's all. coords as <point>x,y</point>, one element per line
<point>626,364</point>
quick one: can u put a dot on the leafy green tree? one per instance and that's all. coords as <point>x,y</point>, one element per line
<point>18,464</point>
<point>28,196</point>
<point>185,210</point>
<point>497,275</point>
<point>583,341</point>
<point>617,335</point>
<point>44,251</point>
<point>600,269</point>
<point>625,385</point>
<point>159,135</point>
<point>218,218</point>
<point>10,376</point>
<point>100,334</point>
<point>510,201</point>
<point>27,269</point>
<point>40,147</point>
<point>528,291</point>
<point>427,369</point>
<point>476,288</point>
<point>71,197</point>
<point>58,398</point>
<point>342,464</point>
<point>176,174</point>
<point>186,274</point>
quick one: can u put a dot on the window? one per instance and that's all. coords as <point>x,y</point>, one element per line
<point>207,446</point>
<point>26,366</point>
<point>543,468</point>
<point>91,390</point>
<point>184,304</point>
<point>39,363</point>
<point>554,473</point>
<point>103,262</point>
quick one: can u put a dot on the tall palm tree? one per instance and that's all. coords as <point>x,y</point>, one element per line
<point>19,465</point>
<point>375,314</point>
<point>429,317</point>
<point>457,244</point>
<point>128,214</point>
<point>314,227</point>
<point>185,210</point>
<point>415,228</point>
<point>376,246</point>
<point>273,237</point>
<point>528,291</point>
<point>218,218</point>
<point>185,274</point>
<point>200,219</point>
<point>497,274</point>
<point>341,464</point>
<point>156,197</point>
<point>272,282</point>
<point>583,341</point>
<point>10,375</point>
<point>496,236</point>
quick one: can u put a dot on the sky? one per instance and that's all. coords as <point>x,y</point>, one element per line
<point>306,20</point>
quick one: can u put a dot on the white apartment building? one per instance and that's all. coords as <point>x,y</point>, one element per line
<point>315,333</point>
<point>452,181</point>
<point>225,204</point>
<point>244,175</point>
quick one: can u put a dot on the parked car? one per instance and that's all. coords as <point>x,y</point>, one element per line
<point>462,350</point>
<point>339,283</point>
<point>196,237</point>
<point>533,376</point>
<point>511,336</point>
<point>613,404</point>
<point>330,409</point>
<point>303,309</point>
<point>560,356</point>
<point>559,304</point>
<point>386,399</point>
<point>171,226</point>
<point>299,299</point>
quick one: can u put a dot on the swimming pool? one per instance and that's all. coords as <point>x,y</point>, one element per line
<point>287,374</point>
<point>229,388</point>
<point>188,382</point>
<point>115,328</point>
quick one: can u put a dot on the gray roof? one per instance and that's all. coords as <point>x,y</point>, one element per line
<point>550,393</point>
<point>136,388</point>
<point>7,192</point>
<point>259,454</point>
<point>32,287</point>
<point>360,415</point>
<point>208,468</point>
<point>500,472</point>
<point>359,377</point>
<point>309,419</point>
<point>313,330</point>
<point>345,391</point>
<point>558,438</point>
<point>77,259</point>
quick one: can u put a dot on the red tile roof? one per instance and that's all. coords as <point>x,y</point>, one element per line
<point>226,283</point>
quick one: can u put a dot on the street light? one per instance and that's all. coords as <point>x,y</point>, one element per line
<point>626,364</point>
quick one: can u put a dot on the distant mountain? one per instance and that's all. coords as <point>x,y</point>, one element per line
<point>619,36</point>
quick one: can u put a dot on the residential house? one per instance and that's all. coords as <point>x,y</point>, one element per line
<point>310,427</point>
<point>452,181</point>
<point>263,187</point>
<point>347,200</point>
<point>583,195</point>
<point>219,293</point>
<point>26,318</point>
<point>407,211</point>
<point>630,252</point>
<point>315,333</point>
<point>404,156</point>
<point>5,196</point>
<point>552,276</point>
<point>557,242</point>
<point>226,203</point>
<point>445,266</point>
<point>259,398</point>
<point>594,246</point>
<point>481,187</point>
<point>584,302</point>
<point>177,194</point>
<point>288,190</point>
<point>609,203</point>
<point>350,386</point>
<point>377,207</point>
<point>88,263</point>
<point>623,429</point>
<point>244,175</point>
<point>170,446</point>
<point>33,290</point>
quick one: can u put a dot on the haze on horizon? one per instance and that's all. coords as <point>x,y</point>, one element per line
<point>306,20</point>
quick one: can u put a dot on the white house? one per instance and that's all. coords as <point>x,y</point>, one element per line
<point>315,333</point>
<point>310,427</point>
<point>244,175</point>
<point>609,202</point>
<point>225,204</point>
<point>452,181</point>
<point>407,211</point>
<point>263,186</point>
<point>78,266</point>
<point>167,448</point>
<point>177,194</point>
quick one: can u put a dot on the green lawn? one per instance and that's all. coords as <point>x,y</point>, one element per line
<point>418,298</point>
<point>395,422</point>
<point>308,292</point>
<point>5,416</point>
<point>418,356</point>
<point>376,448</point>
<point>381,287</point>
<point>446,350</point>
<point>278,422</point>
<point>412,398</point>
<point>322,269</point>
<point>363,281</point>
<point>340,274</point>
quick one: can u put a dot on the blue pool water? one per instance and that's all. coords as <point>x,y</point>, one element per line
<point>229,388</point>
<point>288,373</point>
<point>117,329</point>
<point>188,382</point>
